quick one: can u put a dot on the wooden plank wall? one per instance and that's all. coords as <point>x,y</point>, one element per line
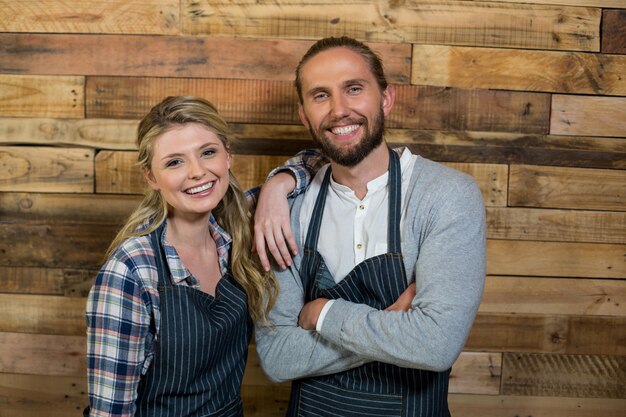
<point>528,96</point>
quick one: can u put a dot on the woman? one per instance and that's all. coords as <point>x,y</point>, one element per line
<point>169,314</point>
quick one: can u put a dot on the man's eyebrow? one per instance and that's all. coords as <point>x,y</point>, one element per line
<point>354,81</point>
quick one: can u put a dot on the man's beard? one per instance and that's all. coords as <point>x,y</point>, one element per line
<point>357,153</point>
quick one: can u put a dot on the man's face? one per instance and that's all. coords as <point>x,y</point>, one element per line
<point>343,106</point>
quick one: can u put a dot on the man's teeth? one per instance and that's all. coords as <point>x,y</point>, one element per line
<point>344,130</point>
<point>199,189</point>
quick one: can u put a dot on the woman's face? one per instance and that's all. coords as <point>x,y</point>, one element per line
<point>189,168</point>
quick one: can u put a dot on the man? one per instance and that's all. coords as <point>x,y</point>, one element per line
<point>371,223</point>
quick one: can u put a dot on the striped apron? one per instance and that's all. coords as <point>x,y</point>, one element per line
<point>376,388</point>
<point>201,351</point>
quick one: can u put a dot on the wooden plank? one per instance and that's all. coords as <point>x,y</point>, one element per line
<point>90,16</point>
<point>555,259</point>
<point>491,179</point>
<point>46,169</point>
<point>183,56</point>
<point>552,187</point>
<point>427,107</point>
<point>277,139</point>
<point>535,333</point>
<point>41,96</point>
<point>556,225</point>
<point>77,246</point>
<point>522,70</point>
<point>42,354</point>
<point>428,21</point>
<point>589,376</point>
<point>66,208</point>
<point>48,314</point>
<point>614,31</point>
<point>588,115</point>
<point>267,101</point>
<point>39,395</point>
<point>265,400</point>
<point>49,281</point>
<point>588,3</point>
<point>93,133</point>
<point>118,173</point>
<point>562,296</point>
<point>464,405</point>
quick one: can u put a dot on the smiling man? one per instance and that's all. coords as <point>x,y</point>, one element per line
<point>375,309</point>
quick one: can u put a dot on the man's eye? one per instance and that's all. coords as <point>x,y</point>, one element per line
<point>320,96</point>
<point>355,90</point>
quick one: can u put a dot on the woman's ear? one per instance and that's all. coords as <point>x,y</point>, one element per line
<point>147,174</point>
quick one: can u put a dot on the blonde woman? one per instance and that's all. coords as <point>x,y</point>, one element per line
<point>169,315</point>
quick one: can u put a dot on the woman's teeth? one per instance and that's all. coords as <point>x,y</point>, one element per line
<point>196,190</point>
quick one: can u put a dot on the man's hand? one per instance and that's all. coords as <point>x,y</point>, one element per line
<point>403,303</point>
<point>272,226</point>
<point>310,313</point>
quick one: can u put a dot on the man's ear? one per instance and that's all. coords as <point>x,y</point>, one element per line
<point>147,174</point>
<point>389,97</point>
<point>303,118</point>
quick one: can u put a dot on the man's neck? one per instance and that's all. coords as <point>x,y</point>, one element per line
<point>356,178</point>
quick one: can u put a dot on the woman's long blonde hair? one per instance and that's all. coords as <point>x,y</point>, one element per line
<point>232,213</point>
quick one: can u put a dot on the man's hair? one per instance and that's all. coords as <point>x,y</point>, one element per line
<point>373,61</point>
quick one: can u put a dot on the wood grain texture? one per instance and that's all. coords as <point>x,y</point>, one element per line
<point>437,22</point>
<point>48,281</point>
<point>614,31</point>
<point>46,169</point>
<point>587,376</point>
<point>555,259</point>
<point>66,208</point>
<point>554,187</point>
<point>535,333</point>
<point>463,405</point>
<point>560,296</point>
<point>40,395</point>
<point>560,72</point>
<point>90,16</point>
<point>42,96</point>
<point>588,115</point>
<point>556,225</point>
<point>184,56</point>
<point>22,354</point>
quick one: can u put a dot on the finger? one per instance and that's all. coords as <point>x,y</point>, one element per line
<point>259,247</point>
<point>289,238</point>
<point>282,248</point>
<point>273,249</point>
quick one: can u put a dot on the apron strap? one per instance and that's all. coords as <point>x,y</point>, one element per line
<point>395,198</point>
<point>162,266</point>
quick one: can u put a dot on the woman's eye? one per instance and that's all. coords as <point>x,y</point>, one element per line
<point>208,152</point>
<point>173,163</point>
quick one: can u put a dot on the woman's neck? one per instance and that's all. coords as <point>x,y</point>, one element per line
<point>186,232</point>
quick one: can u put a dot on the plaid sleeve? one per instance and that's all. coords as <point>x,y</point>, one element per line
<point>303,166</point>
<point>118,322</point>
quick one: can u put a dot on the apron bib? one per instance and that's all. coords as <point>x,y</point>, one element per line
<point>376,388</point>
<point>200,352</point>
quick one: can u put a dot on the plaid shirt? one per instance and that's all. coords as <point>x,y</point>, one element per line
<point>123,314</point>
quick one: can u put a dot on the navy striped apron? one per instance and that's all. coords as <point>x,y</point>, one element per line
<point>376,388</point>
<point>201,349</point>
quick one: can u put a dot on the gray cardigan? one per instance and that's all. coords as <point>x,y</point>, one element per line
<point>444,252</point>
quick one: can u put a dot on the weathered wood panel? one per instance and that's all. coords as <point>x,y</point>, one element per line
<point>588,115</point>
<point>49,281</point>
<point>491,179</point>
<point>434,22</point>
<point>118,173</point>
<point>588,3</point>
<point>561,72</point>
<point>184,56</point>
<point>426,107</point>
<point>614,31</point>
<point>41,96</point>
<point>463,405</point>
<point>42,354</point>
<point>552,187</point>
<point>80,246</point>
<point>253,101</point>
<point>64,170</point>
<point>68,208</point>
<point>91,16</point>
<point>265,400</point>
<point>535,333</point>
<point>561,296</point>
<point>47,314</point>
<point>556,225</point>
<point>555,259</point>
<point>588,376</point>
<point>40,395</point>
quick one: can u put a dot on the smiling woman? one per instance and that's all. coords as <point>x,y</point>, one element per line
<point>178,278</point>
